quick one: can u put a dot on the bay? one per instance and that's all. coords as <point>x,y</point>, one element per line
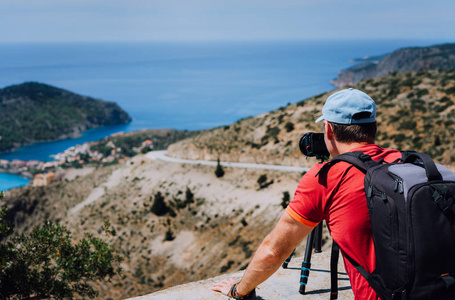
<point>9,181</point>
<point>184,85</point>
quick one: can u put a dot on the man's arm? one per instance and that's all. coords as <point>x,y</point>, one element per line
<point>276,247</point>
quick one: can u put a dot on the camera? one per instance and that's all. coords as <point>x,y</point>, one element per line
<point>312,144</point>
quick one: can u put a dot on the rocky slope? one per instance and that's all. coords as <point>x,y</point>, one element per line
<point>415,112</point>
<point>33,112</point>
<point>403,60</point>
<point>212,225</point>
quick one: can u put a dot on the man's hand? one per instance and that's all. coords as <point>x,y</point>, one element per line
<point>224,286</point>
<point>275,248</point>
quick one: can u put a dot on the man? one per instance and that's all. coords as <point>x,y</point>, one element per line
<point>338,197</point>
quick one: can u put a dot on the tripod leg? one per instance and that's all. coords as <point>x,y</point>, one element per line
<point>318,238</point>
<point>306,264</point>
<point>286,262</point>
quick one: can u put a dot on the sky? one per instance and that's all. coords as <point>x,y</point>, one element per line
<point>219,20</point>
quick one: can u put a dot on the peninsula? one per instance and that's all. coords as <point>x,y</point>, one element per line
<point>437,57</point>
<point>35,112</point>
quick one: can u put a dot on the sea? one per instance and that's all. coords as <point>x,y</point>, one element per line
<point>182,85</point>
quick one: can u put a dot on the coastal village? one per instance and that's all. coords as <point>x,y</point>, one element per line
<point>43,173</point>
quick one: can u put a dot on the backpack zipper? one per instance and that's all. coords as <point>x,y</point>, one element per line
<point>398,185</point>
<point>394,213</point>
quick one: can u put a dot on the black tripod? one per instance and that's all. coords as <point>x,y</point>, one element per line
<point>314,240</point>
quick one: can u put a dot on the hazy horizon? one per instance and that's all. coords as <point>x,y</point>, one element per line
<point>234,20</point>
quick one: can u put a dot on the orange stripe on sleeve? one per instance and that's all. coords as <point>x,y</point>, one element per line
<point>299,219</point>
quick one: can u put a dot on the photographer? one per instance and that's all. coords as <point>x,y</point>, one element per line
<point>349,124</point>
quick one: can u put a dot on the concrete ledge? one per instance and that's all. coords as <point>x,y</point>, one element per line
<point>284,284</point>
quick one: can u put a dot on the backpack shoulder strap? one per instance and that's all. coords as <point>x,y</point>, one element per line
<point>406,153</point>
<point>334,270</point>
<point>358,159</point>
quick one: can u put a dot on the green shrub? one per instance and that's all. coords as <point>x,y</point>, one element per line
<point>398,137</point>
<point>273,131</point>
<point>227,266</point>
<point>285,200</point>
<point>437,140</point>
<point>5,228</point>
<point>145,149</point>
<point>219,172</point>
<point>169,235</point>
<point>46,265</point>
<point>244,222</point>
<point>450,90</point>
<point>418,105</point>
<point>189,196</point>
<point>422,92</point>
<point>262,180</point>
<point>301,103</point>
<point>289,126</point>
<point>253,145</point>
<point>408,82</point>
<point>407,124</point>
<point>159,207</point>
<point>172,213</point>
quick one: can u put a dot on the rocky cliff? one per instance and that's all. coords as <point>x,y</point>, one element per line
<point>403,60</point>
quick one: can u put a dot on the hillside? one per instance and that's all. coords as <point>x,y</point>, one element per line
<point>210,226</point>
<point>415,111</point>
<point>213,226</point>
<point>131,141</point>
<point>402,60</point>
<point>34,112</point>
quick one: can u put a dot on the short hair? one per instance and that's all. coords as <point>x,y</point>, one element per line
<point>350,133</point>
<point>365,132</point>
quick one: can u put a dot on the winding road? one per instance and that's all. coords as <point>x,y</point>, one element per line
<point>161,155</point>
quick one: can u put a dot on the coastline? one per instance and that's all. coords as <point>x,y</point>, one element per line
<point>77,132</point>
<point>69,136</point>
<point>23,174</point>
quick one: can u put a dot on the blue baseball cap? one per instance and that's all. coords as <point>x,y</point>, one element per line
<point>342,106</point>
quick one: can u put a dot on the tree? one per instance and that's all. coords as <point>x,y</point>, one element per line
<point>219,172</point>
<point>189,196</point>
<point>145,149</point>
<point>45,264</point>
<point>169,236</point>
<point>262,180</point>
<point>289,126</point>
<point>159,207</point>
<point>5,229</point>
<point>285,200</point>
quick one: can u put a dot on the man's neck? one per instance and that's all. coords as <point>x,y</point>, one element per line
<point>343,148</point>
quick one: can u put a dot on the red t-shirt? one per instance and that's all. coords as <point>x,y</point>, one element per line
<point>340,200</point>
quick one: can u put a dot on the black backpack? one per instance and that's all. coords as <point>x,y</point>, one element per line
<point>412,208</point>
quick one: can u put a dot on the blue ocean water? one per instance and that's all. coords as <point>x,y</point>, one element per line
<point>184,85</point>
<point>9,181</point>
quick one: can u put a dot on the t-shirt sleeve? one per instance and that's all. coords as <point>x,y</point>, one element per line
<point>307,206</point>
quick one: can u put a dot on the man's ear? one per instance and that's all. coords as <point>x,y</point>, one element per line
<point>328,131</point>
